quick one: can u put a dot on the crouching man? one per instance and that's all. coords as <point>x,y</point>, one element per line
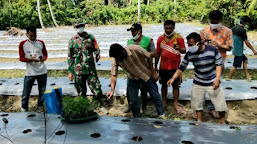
<point>138,64</point>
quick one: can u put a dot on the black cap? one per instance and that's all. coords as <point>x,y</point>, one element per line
<point>135,26</point>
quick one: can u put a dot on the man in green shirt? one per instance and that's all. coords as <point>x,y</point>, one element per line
<point>147,44</point>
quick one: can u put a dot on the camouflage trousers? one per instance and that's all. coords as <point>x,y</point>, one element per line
<point>93,84</point>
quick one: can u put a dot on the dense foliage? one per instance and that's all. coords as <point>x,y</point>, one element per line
<point>20,13</point>
<point>78,107</point>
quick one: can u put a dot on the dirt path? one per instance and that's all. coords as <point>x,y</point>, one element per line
<point>239,112</point>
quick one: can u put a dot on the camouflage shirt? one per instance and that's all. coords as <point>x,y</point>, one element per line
<point>80,54</point>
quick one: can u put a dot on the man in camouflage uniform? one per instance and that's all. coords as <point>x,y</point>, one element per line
<point>81,60</point>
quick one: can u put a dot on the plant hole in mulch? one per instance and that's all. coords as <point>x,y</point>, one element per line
<point>187,142</point>
<point>95,135</point>
<point>3,115</point>
<point>72,83</point>
<point>31,115</point>
<point>5,120</point>
<point>235,128</point>
<point>0,83</point>
<point>17,83</point>
<point>137,138</point>
<point>195,124</point>
<point>229,62</point>
<point>98,64</point>
<point>59,117</point>
<point>60,133</point>
<point>52,84</point>
<point>27,131</point>
<point>228,88</point>
<point>125,120</point>
<point>253,87</point>
<point>158,122</point>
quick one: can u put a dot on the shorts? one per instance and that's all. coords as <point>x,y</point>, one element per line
<point>166,75</point>
<point>238,61</point>
<point>198,96</point>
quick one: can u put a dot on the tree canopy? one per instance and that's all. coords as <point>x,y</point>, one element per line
<point>21,13</point>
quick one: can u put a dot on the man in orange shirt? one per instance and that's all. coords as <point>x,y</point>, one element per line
<point>220,37</point>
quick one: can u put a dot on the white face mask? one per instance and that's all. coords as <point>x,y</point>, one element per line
<point>80,30</point>
<point>215,26</point>
<point>194,48</point>
<point>169,34</point>
<point>136,37</point>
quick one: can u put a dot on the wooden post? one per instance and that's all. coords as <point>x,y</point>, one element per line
<point>138,16</point>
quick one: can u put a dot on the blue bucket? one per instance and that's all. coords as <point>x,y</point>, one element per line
<point>53,101</point>
<point>49,102</point>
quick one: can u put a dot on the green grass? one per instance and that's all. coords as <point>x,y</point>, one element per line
<point>239,74</point>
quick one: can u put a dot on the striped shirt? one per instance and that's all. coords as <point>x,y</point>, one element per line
<point>135,64</point>
<point>204,63</point>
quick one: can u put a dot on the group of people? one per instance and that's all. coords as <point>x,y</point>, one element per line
<point>140,58</point>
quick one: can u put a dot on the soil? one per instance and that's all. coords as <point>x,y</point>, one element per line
<point>239,112</point>
<point>14,32</point>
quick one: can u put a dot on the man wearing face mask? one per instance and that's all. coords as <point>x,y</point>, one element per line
<point>33,52</point>
<point>81,61</point>
<point>207,63</point>
<point>147,44</point>
<point>240,36</point>
<point>138,64</point>
<point>169,47</point>
<point>220,37</point>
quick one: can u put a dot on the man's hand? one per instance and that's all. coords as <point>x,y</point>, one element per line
<point>34,60</point>
<point>155,77</point>
<point>216,84</point>
<point>71,76</point>
<point>177,47</point>
<point>255,52</point>
<point>214,43</point>
<point>97,57</point>
<point>170,82</point>
<point>110,94</point>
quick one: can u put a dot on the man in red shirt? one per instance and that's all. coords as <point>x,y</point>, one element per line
<point>169,47</point>
<point>33,52</point>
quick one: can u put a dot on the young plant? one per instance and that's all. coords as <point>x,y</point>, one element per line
<point>78,107</point>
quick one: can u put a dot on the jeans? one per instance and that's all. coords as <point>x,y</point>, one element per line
<point>143,91</point>
<point>133,87</point>
<point>28,83</point>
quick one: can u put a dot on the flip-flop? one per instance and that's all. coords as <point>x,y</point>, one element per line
<point>249,79</point>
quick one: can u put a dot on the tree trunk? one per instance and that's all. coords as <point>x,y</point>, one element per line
<point>52,15</point>
<point>138,16</point>
<point>148,2</point>
<point>39,14</point>
<point>130,2</point>
<point>175,8</point>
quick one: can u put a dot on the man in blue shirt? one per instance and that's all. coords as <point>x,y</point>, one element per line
<point>207,63</point>
<point>240,36</point>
